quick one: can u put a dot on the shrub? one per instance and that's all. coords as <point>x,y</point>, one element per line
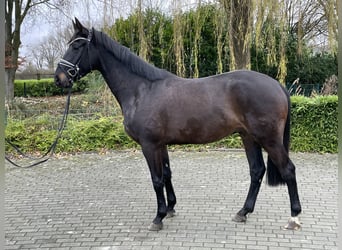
<point>313,129</point>
<point>37,134</point>
<point>314,124</point>
<point>95,135</point>
<point>44,87</point>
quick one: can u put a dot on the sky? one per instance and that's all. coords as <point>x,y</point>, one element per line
<point>34,35</point>
<point>37,27</point>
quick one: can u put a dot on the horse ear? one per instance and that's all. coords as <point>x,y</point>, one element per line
<point>79,28</point>
<point>77,25</point>
<point>93,37</point>
<point>74,25</point>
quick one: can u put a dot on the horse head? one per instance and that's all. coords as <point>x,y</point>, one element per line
<point>76,61</point>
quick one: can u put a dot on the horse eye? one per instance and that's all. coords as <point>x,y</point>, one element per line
<point>75,46</point>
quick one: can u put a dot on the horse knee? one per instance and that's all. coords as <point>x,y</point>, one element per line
<point>167,172</point>
<point>257,174</point>
<point>158,184</point>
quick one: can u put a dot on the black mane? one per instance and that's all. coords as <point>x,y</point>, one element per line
<point>132,61</point>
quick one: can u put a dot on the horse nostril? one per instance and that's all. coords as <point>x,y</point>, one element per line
<point>57,81</point>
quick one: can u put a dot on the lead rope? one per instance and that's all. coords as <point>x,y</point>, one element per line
<point>49,153</point>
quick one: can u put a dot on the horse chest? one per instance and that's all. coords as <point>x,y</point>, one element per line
<point>135,128</point>
<point>130,130</point>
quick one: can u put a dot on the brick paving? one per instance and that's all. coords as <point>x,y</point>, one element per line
<point>92,201</point>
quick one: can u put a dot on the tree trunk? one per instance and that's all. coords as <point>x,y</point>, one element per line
<point>178,42</point>
<point>219,26</point>
<point>240,34</point>
<point>199,22</point>
<point>12,43</point>
<point>143,48</point>
<point>11,65</point>
<point>9,84</point>
<point>15,12</point>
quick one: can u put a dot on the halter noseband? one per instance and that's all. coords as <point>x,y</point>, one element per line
<point>73,71</point>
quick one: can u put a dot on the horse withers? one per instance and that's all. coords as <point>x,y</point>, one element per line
<point>162,109</point>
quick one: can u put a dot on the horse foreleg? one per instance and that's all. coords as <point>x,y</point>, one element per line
<point>153,156</point>
<point>257,171</point>
<point>171,197</point>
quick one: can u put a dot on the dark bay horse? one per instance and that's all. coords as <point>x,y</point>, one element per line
<point>161,109</point>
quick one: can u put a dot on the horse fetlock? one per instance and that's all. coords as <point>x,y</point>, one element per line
<point>171,200</point>
<point>158,220</point>
<point>295,210</point>
<point>170,213</point>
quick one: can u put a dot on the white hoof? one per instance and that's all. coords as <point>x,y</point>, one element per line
<point>155,227</point>
<point>293,224</point>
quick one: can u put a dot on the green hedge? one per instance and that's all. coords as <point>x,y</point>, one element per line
<point>314,124</point>
<point>314,129</point>
<point>36,134</point>
<point>44,87</point>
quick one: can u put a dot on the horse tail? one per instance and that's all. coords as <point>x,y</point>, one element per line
<point>273,176</point>
<point>286,138</point>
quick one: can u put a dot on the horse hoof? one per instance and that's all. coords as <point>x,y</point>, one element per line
<point>170,214</point>
<point>293,224</point>
<point>155,227</point>
<point>239,218</point>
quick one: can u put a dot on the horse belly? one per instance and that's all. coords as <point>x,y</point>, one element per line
<point>204,128</point>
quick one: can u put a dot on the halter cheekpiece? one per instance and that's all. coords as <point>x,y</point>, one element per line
<point>73,70</point>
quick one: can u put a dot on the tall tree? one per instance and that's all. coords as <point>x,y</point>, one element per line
<point>143,48</point>
<point>239,13</point>
<point>15,13</point>
<point>282,68</point>
<point>49,51</point>
<point>199,22</point>
<point>220,23</point>
<point>178,38</point>
<point>330,12</point>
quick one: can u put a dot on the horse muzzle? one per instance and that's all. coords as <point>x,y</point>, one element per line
<point>66,74</point>
<point>61,80</point>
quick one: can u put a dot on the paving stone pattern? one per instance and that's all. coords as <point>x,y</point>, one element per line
<point>92,201</point>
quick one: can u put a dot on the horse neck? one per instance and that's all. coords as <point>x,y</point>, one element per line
<point>125,73</point>
<point>122,82</point>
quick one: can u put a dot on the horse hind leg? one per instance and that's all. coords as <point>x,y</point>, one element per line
<point>281,170</point>
<point>257,171</point>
